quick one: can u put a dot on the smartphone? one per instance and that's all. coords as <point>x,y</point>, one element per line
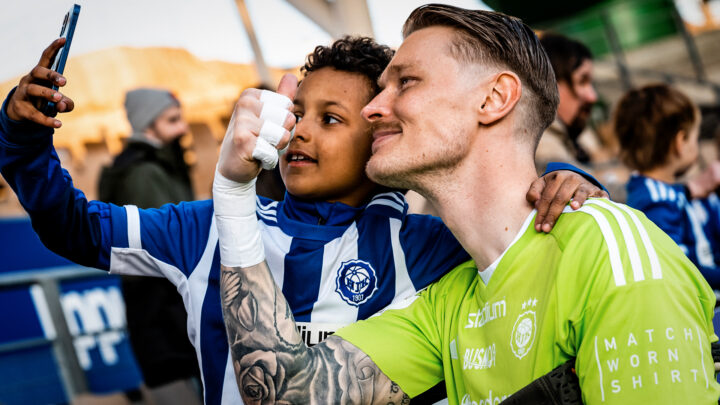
<point>58,62</point>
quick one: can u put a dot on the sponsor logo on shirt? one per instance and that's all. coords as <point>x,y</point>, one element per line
<point>356,282</point>
<point>313,333</point>
<point>479,358</point>
<point>492,399</point>
<point>489,312</point>
<point>523,333</point>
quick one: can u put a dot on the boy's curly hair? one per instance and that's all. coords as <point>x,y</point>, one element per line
<point>351,54</point>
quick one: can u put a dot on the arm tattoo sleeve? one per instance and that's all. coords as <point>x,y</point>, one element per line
<point>273,364</point>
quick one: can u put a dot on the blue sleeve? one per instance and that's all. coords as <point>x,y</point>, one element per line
<point>555,166</point>
<point>178,234</point>
<point>672,220</point>
<point>61,215</point>
<point>85,231</point>
<point>430,248</point>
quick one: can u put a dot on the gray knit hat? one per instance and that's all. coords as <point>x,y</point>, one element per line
<point>144,105</point>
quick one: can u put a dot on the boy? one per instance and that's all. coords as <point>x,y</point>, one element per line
<point>339,246</point>
<point>658,128</point>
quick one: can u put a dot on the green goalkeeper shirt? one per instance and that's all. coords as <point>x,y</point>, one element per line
<point>606,287</point>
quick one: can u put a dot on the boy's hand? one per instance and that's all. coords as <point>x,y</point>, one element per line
<point>259,126</point>
<point>551,193</point>
<point>706,182</point>
<point>35,85</point>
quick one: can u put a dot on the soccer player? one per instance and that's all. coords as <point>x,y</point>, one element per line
<point>340,246</point>
<point>462,105</point>
<point>658,127</point>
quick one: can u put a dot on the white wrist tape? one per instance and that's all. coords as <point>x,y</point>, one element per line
<point>238,230</point>
<point>276,99</point>
<point>266,154</point>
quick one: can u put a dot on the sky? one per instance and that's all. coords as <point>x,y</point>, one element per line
<point>210,29</point>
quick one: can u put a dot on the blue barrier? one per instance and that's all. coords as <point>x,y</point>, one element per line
<point>62,327</point>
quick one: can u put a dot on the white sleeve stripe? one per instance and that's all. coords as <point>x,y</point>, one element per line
<point>653,191</point>
<point>628,236</point>
<point>265,216</point>
<point>403,282</point>
<point>663,191</point>
<point>387,203</point>
<point>269,206</point>
<point>611,242</point>
<point>133,227</point>
<point>652,254</point>
<point>271,213</point>
<point>702,246</point>
<point>394,196</point>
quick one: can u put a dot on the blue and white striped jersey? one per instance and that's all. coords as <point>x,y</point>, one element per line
<point>694,224</point>
<point>359,261</point>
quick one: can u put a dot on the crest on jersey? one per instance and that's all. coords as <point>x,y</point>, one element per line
<point>523,333</point>
<point>356,282</point>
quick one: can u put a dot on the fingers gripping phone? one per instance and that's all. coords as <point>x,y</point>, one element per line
<point>59,59</point>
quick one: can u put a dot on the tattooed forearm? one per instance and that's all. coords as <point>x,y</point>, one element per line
<point>273,364</point>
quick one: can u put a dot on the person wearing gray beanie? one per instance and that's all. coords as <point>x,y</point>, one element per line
<point>148,173</point>
<point>143,106</point>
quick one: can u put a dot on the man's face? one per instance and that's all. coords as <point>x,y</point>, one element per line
<point>577,98</point>
<point>426,115</point>
<point>169,125</point>
<point>326,158</point>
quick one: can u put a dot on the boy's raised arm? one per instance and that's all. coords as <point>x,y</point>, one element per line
<point>271,361</point>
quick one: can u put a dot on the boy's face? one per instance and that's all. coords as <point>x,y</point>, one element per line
<point>326,159</point>
<point>688,148</point>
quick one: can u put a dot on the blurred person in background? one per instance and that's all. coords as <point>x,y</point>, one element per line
<point>569,138</point>
<point>658,128</point>
<point>148,173</point>
<point>573,65</point>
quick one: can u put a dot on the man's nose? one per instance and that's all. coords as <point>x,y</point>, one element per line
<point>591,96</point>
<point>377,108</point>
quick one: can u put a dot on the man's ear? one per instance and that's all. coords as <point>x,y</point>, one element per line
<point>504,94</point>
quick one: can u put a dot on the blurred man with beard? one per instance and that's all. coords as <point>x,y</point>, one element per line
<point>148,173</point>
<point>573,66</point>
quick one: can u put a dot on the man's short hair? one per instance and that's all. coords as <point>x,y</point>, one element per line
<point>497,39</point>
<point>647,121</point>
<point>566,55</point>
<point>351,54</point>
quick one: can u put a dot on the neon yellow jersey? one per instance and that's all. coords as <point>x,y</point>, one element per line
<point>606,286</point>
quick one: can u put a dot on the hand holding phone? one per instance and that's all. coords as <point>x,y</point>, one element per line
<point>59,59</point>
<point>42,84</point>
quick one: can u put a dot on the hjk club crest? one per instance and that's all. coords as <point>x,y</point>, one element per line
<point>356,282</point>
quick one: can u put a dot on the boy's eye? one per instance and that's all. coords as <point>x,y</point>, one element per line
<point>298,118</point>
<point>330,120</point>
